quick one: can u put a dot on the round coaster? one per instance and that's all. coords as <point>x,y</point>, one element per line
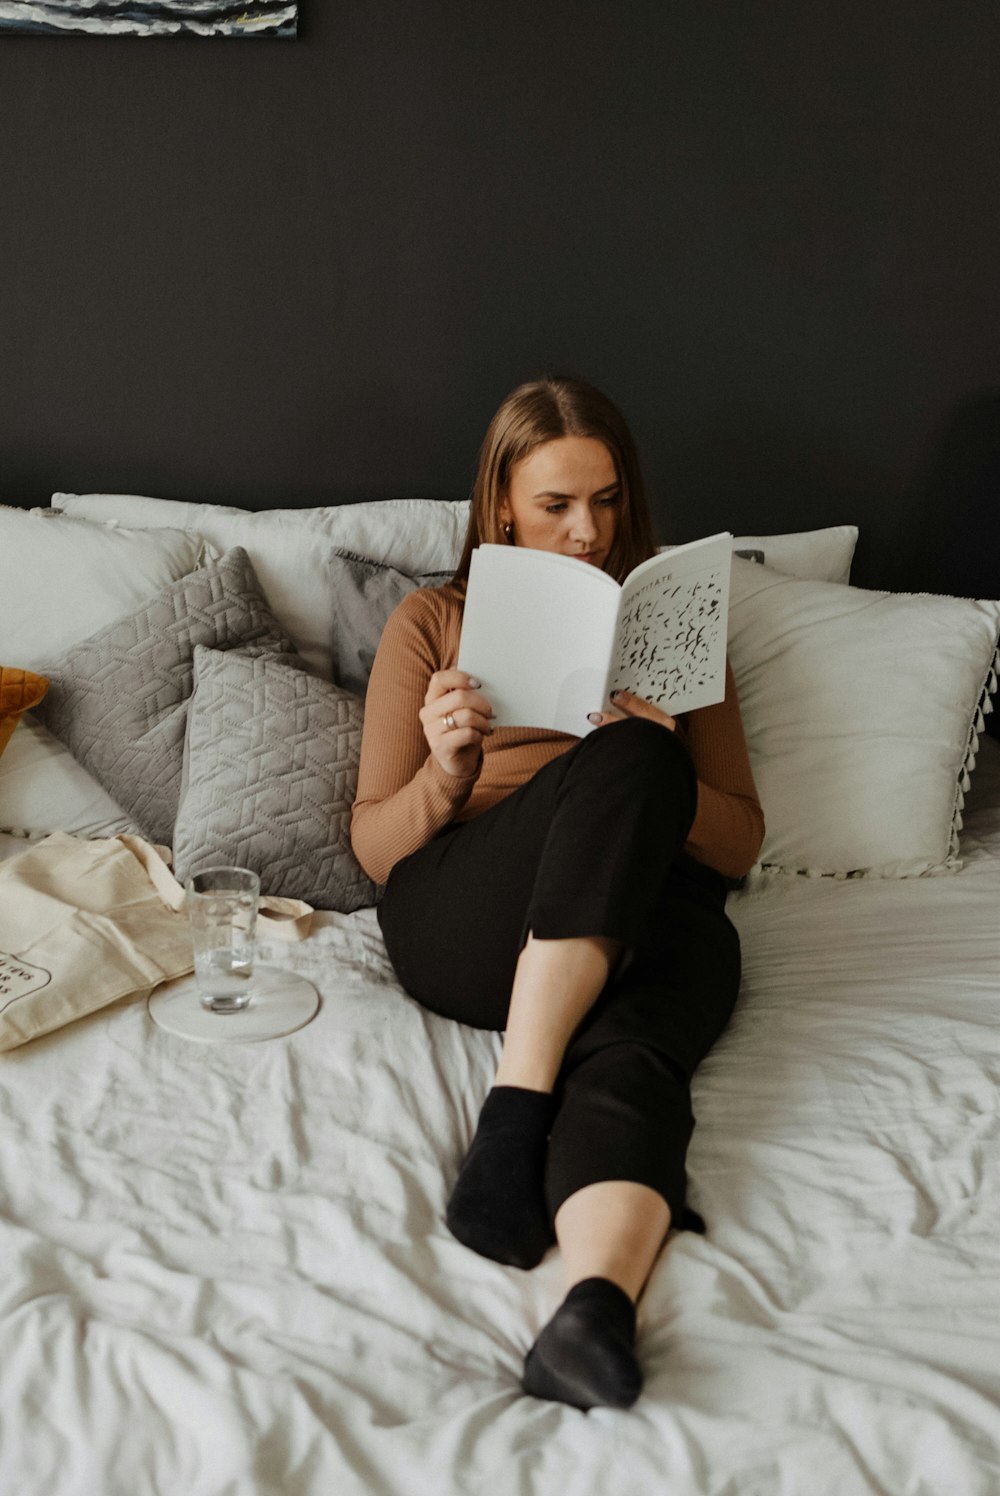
<point>282,1002</point>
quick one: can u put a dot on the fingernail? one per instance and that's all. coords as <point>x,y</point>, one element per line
<point>473,683</point>
<point>615,695</point>
<point>594,717</point>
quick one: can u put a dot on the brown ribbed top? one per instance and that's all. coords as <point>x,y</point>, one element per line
<point>404,797</point>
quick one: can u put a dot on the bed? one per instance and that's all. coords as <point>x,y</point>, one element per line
<point>226,1269</point>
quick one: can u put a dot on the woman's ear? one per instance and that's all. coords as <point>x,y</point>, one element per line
<point>506,514</point>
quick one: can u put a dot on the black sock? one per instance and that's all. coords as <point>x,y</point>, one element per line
<point>585,1355</point>
<point>498,1204</point>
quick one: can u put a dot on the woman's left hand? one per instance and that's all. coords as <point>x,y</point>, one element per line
<point>625,704</point>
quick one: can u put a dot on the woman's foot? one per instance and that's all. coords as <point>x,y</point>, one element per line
<point>498,1204</point>
<point>585,1356</point>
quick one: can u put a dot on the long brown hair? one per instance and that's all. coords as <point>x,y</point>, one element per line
<point>542,411</point>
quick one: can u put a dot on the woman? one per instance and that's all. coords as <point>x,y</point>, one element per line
<point>569,891</point>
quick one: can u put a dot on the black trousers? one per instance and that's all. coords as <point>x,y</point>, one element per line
<point>592,845</point>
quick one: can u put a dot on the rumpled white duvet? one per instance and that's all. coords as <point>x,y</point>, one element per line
<point>224,1269</point>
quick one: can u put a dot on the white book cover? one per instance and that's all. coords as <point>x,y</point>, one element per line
<point>550,636</point>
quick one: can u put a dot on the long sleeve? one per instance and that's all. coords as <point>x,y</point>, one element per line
<point>728,826</point>
<point>404,797</point>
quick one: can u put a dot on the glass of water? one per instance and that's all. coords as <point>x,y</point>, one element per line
<point>222,907</point>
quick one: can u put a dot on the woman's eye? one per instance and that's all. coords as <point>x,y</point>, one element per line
<point>554,508</point>
<point>609,503</point>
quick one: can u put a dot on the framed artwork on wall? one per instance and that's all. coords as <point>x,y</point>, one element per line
<point>150,17</point>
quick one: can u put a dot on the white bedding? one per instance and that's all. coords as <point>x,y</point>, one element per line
<point>225,1269</point>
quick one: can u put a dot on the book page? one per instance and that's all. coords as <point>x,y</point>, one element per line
<point>670,646</point>
<point>537,632</point>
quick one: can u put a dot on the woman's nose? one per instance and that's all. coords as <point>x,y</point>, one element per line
<point>584,525</point>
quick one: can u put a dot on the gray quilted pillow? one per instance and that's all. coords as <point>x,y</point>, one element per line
<point>119,699</point>
<point>363,595</point>
<point>270,773</point>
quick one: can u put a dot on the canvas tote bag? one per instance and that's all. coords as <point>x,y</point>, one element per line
<point>84,923</point>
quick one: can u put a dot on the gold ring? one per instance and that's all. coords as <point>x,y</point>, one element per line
<point>449,722</point>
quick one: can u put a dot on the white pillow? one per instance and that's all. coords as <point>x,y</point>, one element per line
<point>43,788</point>
<point>414,535</point>
<point>824,555</point>
<point>296,553</point>
<point>62,580</point>
<point>862,712</point>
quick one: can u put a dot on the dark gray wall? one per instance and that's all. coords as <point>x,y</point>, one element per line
<point>303,272</point>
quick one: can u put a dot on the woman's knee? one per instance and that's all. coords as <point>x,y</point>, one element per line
<point>638,738</point>
<point>642,755</point>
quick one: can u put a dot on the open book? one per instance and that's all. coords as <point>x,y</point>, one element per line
<point>550,637</point>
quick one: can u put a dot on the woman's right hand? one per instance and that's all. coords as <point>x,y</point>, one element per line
<point>456,717</point>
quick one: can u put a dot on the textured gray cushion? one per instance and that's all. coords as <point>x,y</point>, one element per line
<point>119,699</point>
<point>364,594</point>
<point>270,773</point>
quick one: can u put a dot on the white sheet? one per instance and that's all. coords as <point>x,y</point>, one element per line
<point>225,1270</point>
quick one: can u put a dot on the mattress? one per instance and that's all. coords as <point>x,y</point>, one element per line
<point>226,1269</point>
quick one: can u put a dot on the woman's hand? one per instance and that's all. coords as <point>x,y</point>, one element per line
<point>625,704</point>
<point>456,717</point>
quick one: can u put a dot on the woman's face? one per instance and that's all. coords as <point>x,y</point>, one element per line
<point>564,496</point>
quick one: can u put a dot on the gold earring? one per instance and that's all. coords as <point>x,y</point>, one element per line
<point>508,530</point>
